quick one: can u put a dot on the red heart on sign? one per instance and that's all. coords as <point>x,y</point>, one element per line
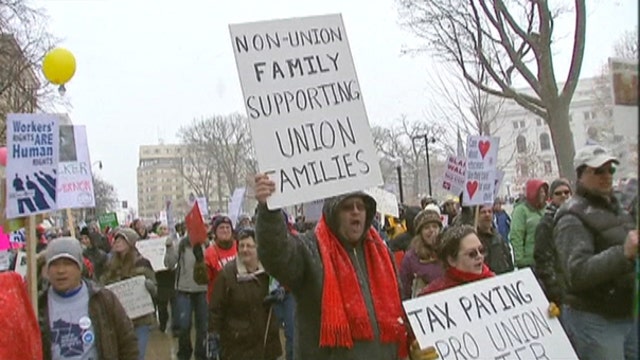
<point>472,187</point>
<point>484,147</point>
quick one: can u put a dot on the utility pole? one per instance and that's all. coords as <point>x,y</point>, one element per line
<point>427,140</point>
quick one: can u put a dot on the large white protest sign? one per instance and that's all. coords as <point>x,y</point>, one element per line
<point>32,164</point>
<point>504,317</point>
<point>133,296</point>
<point>153,250</point>
<point>454,178</point>
<point>386,202</point>
<point>305,108</point>
<point>482,156</point>
<point>498,177</point>
<point>312,210</point>
<point>75,183</point>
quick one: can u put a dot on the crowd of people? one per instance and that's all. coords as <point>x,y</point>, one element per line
<point>334,288</point>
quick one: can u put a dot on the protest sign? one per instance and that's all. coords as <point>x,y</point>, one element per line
<point>235,205</point>
<point>5,260</point>
<point>109,219</point>
<point>386,202</point>
<point>482,156</point>
<point>312,210</point>
<point>498,177</point>
<point>153,250</point>
<point>624,88</point>
<point>133,296</point>
<point>75,182</point>
<point>306,113</point>
<point>504,317</point>
<point>21,263</point>
<point>454,178</point>
<point>32,164</point>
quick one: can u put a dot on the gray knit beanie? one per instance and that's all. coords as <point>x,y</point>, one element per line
<point>64,247</point>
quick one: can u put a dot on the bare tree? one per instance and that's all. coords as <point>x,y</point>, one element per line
<point>24,40</point>
<point>220,154</point>
<point>627,45</point>
<point>105,195</point>
<point>507,40</point>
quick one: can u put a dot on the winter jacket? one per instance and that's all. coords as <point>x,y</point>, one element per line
<point>114,334</point>
<point>216,258</point>
<point>98,259</point>
<point>524,220</point>
<point>590,233</point>
<point>402,241</point>
<point>498,255</point>
<point>503,224</point>
<point>296,263</point>
<point>415,270</point>
<point>180,255</point>
<point>547,267</point>
<point>237,313</point>
<point>141,266</point>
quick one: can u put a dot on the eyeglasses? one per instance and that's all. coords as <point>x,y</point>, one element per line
<point>560,193</point>
<point>603,170</point>
<point>475,253</point>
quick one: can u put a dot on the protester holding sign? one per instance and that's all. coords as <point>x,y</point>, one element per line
<point>343,279</point>
<point>597,245</point>
<point>127,263</point>
<point>78,319</point>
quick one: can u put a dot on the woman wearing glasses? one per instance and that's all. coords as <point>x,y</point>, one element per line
<point>462,256</point>
<point>241,310</point>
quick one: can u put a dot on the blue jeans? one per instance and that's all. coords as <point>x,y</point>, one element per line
<point>142,333</point>
<point>595,337</point>
<point>285,312</point>
<point>187,305</point>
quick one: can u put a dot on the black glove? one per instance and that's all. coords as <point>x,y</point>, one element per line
<point>197,252</point>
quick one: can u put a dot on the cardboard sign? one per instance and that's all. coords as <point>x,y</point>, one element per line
<point>196,227</point>
<point>303,99</point>
<point>154,251</point>
<point>235,205</point>
<point>133,296</point>
<point>386,202</point>
<point>624,88</point>
<point>32,164</point>
<point>504,317</point>
<point>482,156</point>
<point>454,178</point>
<point>75,182</point>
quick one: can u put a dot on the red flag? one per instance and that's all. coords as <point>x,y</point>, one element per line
<point>196,228</point>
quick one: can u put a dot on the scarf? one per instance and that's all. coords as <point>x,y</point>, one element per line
<point>463,277</point>
<point>344,316</point>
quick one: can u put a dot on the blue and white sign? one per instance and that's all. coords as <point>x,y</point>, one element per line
<point>32,162</point>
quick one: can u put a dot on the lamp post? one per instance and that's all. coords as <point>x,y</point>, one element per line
<point>398,162</point>
<point>427,140</point>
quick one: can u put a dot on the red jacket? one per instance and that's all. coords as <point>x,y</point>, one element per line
<point>215,258</point>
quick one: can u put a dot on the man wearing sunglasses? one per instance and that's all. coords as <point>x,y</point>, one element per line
<point>597,244</point>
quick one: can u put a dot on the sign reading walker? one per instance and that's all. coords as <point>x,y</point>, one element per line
<point>505,317</point>
<point>75,183</point>
<point>305,108</point>
<point>32,164</point>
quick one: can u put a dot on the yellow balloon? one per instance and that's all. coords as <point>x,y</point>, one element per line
<point>58,66</point>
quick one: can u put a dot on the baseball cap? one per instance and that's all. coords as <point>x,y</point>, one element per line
<point>593,156</point>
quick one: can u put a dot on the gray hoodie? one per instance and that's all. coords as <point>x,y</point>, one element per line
<point>296,263</point>
<point>184,260</point>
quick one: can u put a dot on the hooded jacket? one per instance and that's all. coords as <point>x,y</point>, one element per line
<point>402,241</point>
<point>524,220</point>
<point>297,264</point>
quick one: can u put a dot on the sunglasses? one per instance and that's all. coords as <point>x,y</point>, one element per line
<point>475,253</point>
<point>603,170</point>
<point>565,193</point>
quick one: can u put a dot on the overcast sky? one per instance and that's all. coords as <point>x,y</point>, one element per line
<point>145,68</point>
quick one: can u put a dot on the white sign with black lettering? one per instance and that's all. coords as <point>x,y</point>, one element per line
<point>133,296</point>
<point>501,318</point>
<point>304,102</point>
<point>153,250</point>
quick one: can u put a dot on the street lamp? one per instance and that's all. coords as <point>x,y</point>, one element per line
<point>399,170</point>
<point>427,140</point>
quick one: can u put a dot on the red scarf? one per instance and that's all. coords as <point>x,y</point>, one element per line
<point>464,277</point>
<point>339,326</point>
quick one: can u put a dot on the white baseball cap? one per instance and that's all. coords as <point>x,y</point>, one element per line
<point>593,156</point>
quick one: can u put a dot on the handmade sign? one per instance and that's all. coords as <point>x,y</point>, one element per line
<point>154,251</point>
<point>312,210</point>
<point>504,317</point>
<point>305,108</point>
<point>235,205</point>
<point>482,156</point>
<point>75,182</point>
<point>454,178</point>
<point>108,220</point>
<point>133,296</point>
<point>32,164</point>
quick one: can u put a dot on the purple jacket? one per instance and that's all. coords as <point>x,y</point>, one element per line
<point>412,267</point>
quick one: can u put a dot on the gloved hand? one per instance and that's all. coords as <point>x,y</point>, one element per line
<point>197,252</point>
<point>553,310</point>
<point>415,353</point>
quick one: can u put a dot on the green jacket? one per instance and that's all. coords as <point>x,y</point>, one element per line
<point>524,220</point>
